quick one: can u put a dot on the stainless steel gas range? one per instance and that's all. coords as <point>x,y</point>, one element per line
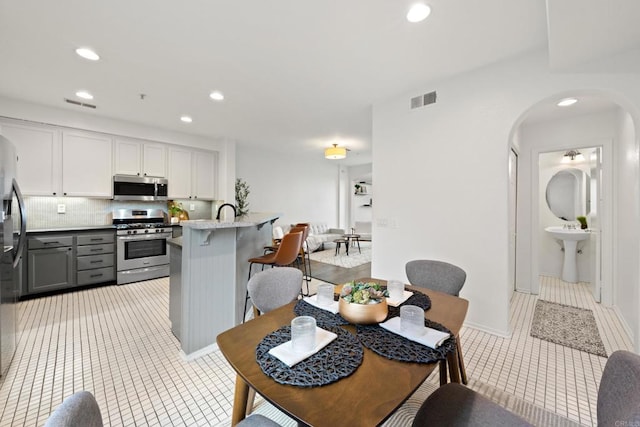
<point>141,248</point>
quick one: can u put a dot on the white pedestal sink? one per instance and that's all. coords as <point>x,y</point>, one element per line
<point>570,238</point>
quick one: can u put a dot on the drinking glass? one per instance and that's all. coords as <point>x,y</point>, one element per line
<point>325,294</point>
<point>396,290</point>
<point>303,334</point>
<point>411,319</point>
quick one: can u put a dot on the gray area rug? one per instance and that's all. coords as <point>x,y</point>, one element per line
<point>568,326</point>
<point>406,413</point>
<point>354,259</point>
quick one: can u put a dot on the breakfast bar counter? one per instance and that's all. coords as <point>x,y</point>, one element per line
<point>207,294</point>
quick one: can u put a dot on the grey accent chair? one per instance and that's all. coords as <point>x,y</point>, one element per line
<point>618,401</point>
<point>257,420</point>
<point>444,277</point>
<point>79,409</point>
<point>274,288</point>
<point>271,289</point>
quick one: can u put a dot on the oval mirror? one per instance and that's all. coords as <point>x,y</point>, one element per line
<point>568,194</point>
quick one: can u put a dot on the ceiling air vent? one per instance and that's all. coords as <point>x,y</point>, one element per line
<point>422,100</point>
<point>81,104</point>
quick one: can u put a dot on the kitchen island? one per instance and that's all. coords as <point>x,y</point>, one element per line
<point>208,279</point>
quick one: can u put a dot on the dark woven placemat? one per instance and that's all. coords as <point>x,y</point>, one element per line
<point>323,317</point>
<point>338,359</point>
<point>393,346</point>
<point>418,298</point>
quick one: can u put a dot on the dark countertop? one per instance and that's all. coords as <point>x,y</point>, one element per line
<point>176,241</point>
<point>68,228</point>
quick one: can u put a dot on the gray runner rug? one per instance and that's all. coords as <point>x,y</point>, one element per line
<point>568,326</point>
<point>404,416</point>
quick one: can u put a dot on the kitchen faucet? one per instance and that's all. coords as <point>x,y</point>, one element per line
<point>222,206</point>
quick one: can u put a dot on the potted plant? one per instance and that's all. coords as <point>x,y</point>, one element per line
<point>583,222</point>
<point>177,211</point>
<point>363,303</point>
<point>242,193</point>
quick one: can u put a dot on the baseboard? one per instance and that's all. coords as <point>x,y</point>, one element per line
<point>624,324</point>
<point>198,353</point>
<point>491,331</point>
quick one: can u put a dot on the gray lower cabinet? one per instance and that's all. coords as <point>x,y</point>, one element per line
<point>58,261</point>
<point>96,258</point>
<point>50,263</point>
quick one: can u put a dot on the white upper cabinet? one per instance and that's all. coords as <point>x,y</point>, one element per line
<point>179,175</point>
<point>192,174</point>
<point>154,160</point>
<point>39,171</point>
<point>139,158</point>
<point>204,175</point>
<point>87,164</point>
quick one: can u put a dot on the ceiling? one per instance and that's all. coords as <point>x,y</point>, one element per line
<point>295,75</point>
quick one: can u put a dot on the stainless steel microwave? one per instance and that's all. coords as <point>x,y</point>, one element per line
<point>146,188</point>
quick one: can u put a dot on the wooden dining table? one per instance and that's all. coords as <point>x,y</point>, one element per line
<point>367,397</point>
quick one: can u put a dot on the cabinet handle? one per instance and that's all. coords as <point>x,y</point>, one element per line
<point>97,250</point>
<point>96,261</point>
<point>145,174</point>
<point>97,275</point>
<point>65,194</point>
<point>195,197</point>
<point>51,243</point>
<point>138,173</point>
<point>54,193</point>
<point>97,239</point>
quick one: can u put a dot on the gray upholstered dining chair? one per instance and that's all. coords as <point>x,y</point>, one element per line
<point>274,288</point>
<point>79,409</point>
<point>257,420</point>
<point>269,290</point>
<point>444,277</point>
<point>618,400</point>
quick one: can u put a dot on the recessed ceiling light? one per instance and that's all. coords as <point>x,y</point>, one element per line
<point>418,12</point>
<point>216,95</point>
<point>566,102</point>
<point>87,53</point>
<point>84,94</point>
<point>186,119</point>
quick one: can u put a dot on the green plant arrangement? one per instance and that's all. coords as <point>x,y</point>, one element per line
<point>363,293</point>
<point>242,193</point>
<point>175,209</point>
<point>583,222</point>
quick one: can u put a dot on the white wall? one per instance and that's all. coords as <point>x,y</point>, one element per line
<point>441,173</point>
<point>626,184</point>
<point>81,120</point>
<point>302,188</point>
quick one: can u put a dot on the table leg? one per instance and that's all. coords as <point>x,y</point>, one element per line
<point>347,245</point>
<point>239,401</point>
<point>443,372</point>
<point>454,368</point>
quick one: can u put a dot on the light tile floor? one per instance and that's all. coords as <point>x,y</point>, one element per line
<point>116,342</point>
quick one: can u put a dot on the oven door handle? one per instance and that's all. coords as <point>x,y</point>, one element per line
<point>154,236</point>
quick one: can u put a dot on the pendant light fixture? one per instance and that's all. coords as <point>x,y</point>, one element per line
<point>335,152</point>
<point>572,155</point>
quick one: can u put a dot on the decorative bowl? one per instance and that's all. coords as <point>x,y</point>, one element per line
<point>363,314</point>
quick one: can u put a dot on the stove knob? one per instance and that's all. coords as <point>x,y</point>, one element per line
<point>146,231</point>
<point>128,231</point>
<point>135,231</point>
<point>158,230</point>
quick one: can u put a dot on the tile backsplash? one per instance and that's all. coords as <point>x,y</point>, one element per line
<point>42,212</point>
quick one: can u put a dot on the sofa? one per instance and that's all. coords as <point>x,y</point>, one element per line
<point>319,235</point>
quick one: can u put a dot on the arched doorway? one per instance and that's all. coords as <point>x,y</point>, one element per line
<point>597,120</point>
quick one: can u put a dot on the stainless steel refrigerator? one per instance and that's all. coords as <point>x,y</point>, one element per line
<point>12,238</point>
